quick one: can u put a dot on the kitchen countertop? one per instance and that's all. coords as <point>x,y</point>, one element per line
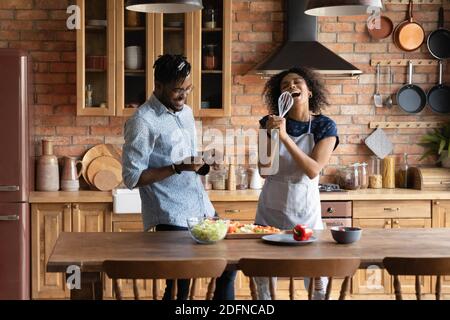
<point>252,195</point>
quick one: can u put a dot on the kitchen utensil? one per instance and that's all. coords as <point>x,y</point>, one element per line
<point>411,98</point>
<point>389,102</point>
<point>377,98</point>
<point>98,151</point>
<point>47,170</point>
<point>380,27</point>
<point>106,180</point>
<point>133,58</point>
<point>439,95</point>
<point>379,143</point>
<point>285,103</point>
<point>409,35</point>
<point>438,41</point>
<point>346,235</point>
<point>70,174</point>
<point>286,239</point>
<point>104,163</point>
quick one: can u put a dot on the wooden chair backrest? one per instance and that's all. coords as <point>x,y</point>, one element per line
<point>405,266</point>
<point>160,269</point>
<point>310,268</point>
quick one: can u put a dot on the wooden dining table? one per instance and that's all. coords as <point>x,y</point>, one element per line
<point>88,251</point>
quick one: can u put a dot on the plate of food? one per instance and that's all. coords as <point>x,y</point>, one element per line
<point>300,236</point>
<point>238,230</point>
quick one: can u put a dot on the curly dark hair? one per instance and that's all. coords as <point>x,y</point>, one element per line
<point>272,90</point>
<point>171,68</point>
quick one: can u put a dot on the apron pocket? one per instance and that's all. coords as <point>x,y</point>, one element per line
<point>290,198</point>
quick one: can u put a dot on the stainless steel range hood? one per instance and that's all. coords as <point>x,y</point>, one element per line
<point>301,48</point>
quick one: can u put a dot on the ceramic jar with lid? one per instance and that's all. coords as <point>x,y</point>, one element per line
<point>47,169</point>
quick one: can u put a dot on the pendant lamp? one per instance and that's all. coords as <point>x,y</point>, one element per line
<point>167,6</point>
<point>335,8</point>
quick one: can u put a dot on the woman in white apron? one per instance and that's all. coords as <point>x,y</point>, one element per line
<point>290,195</point>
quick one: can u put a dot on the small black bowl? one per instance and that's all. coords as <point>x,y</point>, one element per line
<point>346,235</point>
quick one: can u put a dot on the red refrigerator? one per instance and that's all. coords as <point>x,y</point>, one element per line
<point>15,175</point>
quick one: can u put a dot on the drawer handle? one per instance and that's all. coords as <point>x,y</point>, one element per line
<point>232,211</point>
<point>391,209</point>
<point>13,217</point>
<point>445,182</point>
<point>331,210</point>
<point>9,188</point>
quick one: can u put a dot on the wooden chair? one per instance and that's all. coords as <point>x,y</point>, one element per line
<point>171,270</point>
<point>342,268</point>
<point>417,267</point>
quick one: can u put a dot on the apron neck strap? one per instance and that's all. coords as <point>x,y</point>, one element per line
<point>310,120</point>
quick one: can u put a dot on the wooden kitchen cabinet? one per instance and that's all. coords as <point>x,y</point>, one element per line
<point>441,219</point>
<point>212,59</point>
<point>48,221</point>
<point>389,214</point>
<point>96,58</point>
<point>117,88</point>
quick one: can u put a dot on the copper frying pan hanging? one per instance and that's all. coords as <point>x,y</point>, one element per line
<point>409,35</point>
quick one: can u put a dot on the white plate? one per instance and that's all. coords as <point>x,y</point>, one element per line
<point>286,239</point>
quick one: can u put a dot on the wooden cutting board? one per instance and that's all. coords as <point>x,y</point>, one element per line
<point>106,180</point>
<point>98,151</point>
<point>104,163</point>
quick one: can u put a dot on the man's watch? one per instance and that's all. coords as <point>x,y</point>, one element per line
<point>176,169</point>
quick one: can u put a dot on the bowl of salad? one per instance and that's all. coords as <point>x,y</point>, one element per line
<point>207,230</point>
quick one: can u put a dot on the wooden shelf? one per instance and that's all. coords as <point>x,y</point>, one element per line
<point>140,72</point>
<point>407,125</point>
<point>211,30</point>
<point>212,71</point>
<point>134,28</point>
<point>173,29</point>
<point>95,70</point>
<point>441,2</point>
<point>96,28</point>
<point>404,62</point>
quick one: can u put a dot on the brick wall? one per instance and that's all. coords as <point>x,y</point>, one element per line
<point>39,27</point>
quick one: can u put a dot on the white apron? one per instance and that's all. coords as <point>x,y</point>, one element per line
<point>290,197</point>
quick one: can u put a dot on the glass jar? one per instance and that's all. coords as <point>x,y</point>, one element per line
<point>241,178</point>
<point>348,177</point>
<point>206,182</point>
<point>209,18</point>
<point>401,173</point>
<point>363,176</point>
<point>375,176</point>
<point>210,59</point>
<point>219,180</point>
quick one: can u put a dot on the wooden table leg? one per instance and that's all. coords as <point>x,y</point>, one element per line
<point>91,287</point>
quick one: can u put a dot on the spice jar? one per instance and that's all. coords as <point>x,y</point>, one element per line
<point>89,100</point>
<point>389,172</point>
<point>363,176</point>
<point>210,60</point>
<point>209,18</point>
<point>241,179</point>
<point>401,173</point>
<point>375,177</point>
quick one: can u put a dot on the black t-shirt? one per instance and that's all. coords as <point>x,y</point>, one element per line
<point>321,126</point>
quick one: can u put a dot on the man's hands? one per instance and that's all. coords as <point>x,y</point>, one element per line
<point>190,164</point>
